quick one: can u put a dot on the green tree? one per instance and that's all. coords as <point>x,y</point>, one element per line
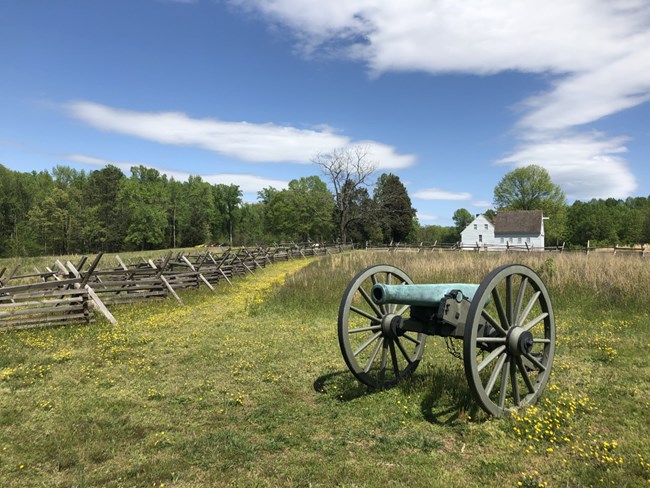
<point>430,234</point>
<point>531,188</point>
<point>101,194</point>
<point>608,222</point>
<point>301,212</point>
<point>393,208</point>
<point>462,218</point>
<point>51,220</point>
<point>251,224</point>
<point>20,192</point>
<point>362,223</point>
<point>145,197</point>
<point>227,200</point>
<point>199,211</point>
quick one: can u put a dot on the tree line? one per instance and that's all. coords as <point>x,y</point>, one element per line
<point>71,211</point>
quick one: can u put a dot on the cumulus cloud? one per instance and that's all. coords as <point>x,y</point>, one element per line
<point>594,53</point>
<point>589,96</point>
<point>248,183</point>
<point>482,204</point>
<point>585,166</point>
<point>473,36</point>
<point>437,194</point>
<point>256,143</point>
<point>422,217</point>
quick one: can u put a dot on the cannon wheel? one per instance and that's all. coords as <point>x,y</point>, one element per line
<point>376,354</point>
<point>509,340</point>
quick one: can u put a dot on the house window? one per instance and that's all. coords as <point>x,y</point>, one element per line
<point>502,240</point>
<point>480,238</point>
<point>527,239</point>
<point>475,226</point>
<point>486,227</point>
<point>518,240</point>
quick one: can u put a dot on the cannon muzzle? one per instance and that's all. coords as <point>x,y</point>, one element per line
<point>419,295</point>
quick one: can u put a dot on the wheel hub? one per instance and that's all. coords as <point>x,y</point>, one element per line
<point>390,324</point>
<point>519,341</point>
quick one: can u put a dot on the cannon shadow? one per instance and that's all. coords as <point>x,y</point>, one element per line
<point>446,398</point>
<point>342,384</point>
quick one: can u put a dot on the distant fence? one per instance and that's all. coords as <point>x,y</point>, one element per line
<point>642,251</point>
<point>65,292</point>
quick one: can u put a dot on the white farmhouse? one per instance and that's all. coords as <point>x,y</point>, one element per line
<point>522,228</point>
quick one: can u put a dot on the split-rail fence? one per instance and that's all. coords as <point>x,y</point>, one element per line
<point>66,292</point>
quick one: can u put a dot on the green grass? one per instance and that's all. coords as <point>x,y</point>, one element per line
<point>247,387</point>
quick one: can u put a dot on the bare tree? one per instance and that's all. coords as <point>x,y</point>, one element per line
<point>348,170</point>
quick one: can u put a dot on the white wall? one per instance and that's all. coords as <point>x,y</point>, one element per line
<point>480,231</point>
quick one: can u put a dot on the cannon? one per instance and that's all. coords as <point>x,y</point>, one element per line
<point>506,324</point>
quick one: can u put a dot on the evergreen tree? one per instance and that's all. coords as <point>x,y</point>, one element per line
<point>393,208</point>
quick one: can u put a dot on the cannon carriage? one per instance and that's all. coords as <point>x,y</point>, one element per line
<point>506,324</point>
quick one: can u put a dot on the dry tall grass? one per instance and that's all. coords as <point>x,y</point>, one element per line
<point>601,279</point>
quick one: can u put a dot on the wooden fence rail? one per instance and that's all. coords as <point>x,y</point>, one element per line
<point>65,292</point>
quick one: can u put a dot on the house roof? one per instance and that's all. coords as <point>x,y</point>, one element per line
<point>518,222</point>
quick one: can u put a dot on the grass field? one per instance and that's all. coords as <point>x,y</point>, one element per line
<point>247,387</point>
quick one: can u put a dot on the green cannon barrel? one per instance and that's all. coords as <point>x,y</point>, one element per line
<point>418,295</point>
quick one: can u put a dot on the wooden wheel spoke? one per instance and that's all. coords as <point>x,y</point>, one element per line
<point>491,357</point>
<point>504,383</point>
<point>403,351</point>
<point>520,300</point>
<point>393,357</point>
<point>499,306</point>
<point>365,314</point>
<point>535,321</point>
<point>373,356</point>
<point>409,338</point>
<point>514,384</point>
<point>382,307</point>
<point>403,309</point>
<point>509,303</point>
<point>364,329</point>
<point>490,340</point>
<point>382,365</point>
<point>524,374</point>
<point>535,361</point>
<point>372,304</point>
<point>495,374</point>
<point>366,344</point>
<point>493,322</point>
<point>529,306</point>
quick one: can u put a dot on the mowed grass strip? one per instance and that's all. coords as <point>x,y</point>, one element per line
<point>247,387</point>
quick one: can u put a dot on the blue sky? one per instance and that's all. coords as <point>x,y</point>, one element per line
<point>448,95</point>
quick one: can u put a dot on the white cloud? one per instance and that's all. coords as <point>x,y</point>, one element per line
<point>585,166</point>
<point>589,96</point>
<point>248,183</point>
<point>437,194</point>
<point>422,217</point>
<point>473,36</point>
<point>595,54</point>
<point>244,141</point>
<point>482,204</point>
